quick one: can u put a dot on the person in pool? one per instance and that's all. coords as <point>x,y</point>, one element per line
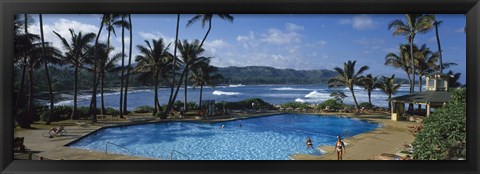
<point>309,143</point>
<point>340,148</point>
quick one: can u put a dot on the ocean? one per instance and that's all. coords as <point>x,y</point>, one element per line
<point>275,94</point>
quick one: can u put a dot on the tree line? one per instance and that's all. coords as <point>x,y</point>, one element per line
<point>84,52</point>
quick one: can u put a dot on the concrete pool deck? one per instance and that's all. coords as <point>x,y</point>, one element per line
<point>387,139</point>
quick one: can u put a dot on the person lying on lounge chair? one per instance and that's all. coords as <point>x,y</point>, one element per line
<point>56,131</point>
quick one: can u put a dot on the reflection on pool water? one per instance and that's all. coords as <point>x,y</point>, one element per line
<point>262,138</point>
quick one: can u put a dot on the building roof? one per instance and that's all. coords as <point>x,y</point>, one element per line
<point>423,97</point>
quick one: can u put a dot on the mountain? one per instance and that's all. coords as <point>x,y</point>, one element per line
<point>269,75</point>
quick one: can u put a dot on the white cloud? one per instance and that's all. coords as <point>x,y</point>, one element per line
<point>460,30</point>
<point>319,44</point>
<point>248,41</point>
<point>293,27</point>
<point>360,22</point>
<point>278,37</point>
<point>156,35</point>
<point>369,41</point>
<point>62,27</point>
<point>212,47</point>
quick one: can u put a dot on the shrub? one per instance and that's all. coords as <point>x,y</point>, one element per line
<point>296,105</point>
<point>111,111</point>
<point>366,105</point>
<point>332,103</point>
<point>143,109</point>
<point>443,135</point>
<point>245,104</point>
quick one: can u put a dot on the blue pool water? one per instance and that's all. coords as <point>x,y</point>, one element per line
<point>263,138</point>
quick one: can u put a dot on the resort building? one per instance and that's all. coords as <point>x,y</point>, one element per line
<point>435,96</point>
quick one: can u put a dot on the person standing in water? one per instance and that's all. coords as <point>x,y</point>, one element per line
<point>340,148</point>
<point>309,143</point>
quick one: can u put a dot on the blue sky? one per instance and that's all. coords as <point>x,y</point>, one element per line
<point>302,42</point>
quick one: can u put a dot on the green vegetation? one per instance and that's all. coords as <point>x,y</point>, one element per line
<point>365,105</point>
<point>443,135</point>
<point>348,77</point>
<point>268,75</point>
<point>143,109</point>
<point>296,105</point>
<point>331,103</point>
<point>245,104</point>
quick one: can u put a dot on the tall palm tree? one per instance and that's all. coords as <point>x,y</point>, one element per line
<point>402,61</point>
<point>207,18</point>
<point>172,98</point>
<point>106,64</point>
<point>437,23</point>
<point>204,74</point>
<point>369,83</point>
<point>191,58</point>
<point>93,104</point>
<point>76,54</point>
<point>415,23</point>
<point>348,77</point>
<point>152,60</point>
<point>129,68</point>
<point>388,86</point>
<point>122,23</point>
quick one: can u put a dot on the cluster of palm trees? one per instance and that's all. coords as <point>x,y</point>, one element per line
<point>424,60</point>
<point>154,61</point>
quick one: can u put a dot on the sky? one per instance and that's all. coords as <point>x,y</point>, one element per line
<point>296,41</point>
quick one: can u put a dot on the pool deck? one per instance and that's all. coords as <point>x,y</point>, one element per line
<point>387,139</point>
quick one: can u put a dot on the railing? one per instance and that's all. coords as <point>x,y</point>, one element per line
<point>171,154</point>
<point>106,147</point>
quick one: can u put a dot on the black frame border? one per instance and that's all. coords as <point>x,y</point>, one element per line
<point>471,8</point>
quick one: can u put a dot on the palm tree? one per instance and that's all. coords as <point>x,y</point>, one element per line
<point>93,104</point>
<point>338,95</point>
<point>204,74</point>
<point>388,86</point>
<point>348,77</point>
<point>416,23</point>
<point>172,98</point>
<point>190,58</point>
<point>129,68</point>
<point>369,83</point>
<point>123,24</point>
<point>437,23</point>
<point>402,61</point>
<point>153,59</point>
<point>453,82</point>
<point>106,64</point>
<point>76,55</point>
<point>207,18</point>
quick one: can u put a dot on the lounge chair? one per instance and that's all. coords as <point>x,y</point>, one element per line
<point>18,144</point>
<point>57,131</point>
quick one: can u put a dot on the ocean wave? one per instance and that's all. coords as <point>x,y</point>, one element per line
<point>239,85</point>
<point>316,94</point>
<point>290,89</point>
<point>310,100</point>
<point>225,93</point>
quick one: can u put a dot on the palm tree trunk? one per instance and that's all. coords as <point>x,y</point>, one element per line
<point>178,88</point>
<point>354,98</point>
<point>185,97</point>
<point>389,103</point>
<point>75,90</point>
<point>201,94</point>
<point>123,68</point>
<point>419,89</point>
<point>102,79</point>
<point>30,92</point>
<point>370,98</point>
<point>24,68</point>
<point>439,48</point>
<point>102,111</point>
<point>93,108</point>
<point>206,34</point>
<point>171,98</point>
<point>155,100</point>
<point>129,64</point>
<point>47,74</point>
<point>412,85</point>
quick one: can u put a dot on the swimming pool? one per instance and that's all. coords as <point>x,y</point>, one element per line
<point>262,138</point>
